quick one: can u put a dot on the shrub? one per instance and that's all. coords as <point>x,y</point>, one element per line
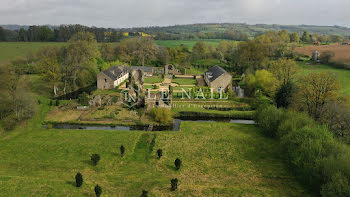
<point>292,122</point>
<point>161,115</point>
<point>95,158</point>
<point>78,179</point>
<point>173,184</point>
<point>83,99</point>
<point>57,102</point>
<point>159,153</point>
<point>144,193</point>
<point>51,103</point>
<point>269,118</point>
<point>98,191</point>
<point>122,150</point>
<point>305,149</point>
<point>177,163</point>
<point>338,186</point>
<point>39,102</point>
<point>326,56</point>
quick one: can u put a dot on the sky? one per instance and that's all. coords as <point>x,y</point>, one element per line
<point>140,13</point>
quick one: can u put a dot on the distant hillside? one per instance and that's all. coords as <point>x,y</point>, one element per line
<point>251,30</point>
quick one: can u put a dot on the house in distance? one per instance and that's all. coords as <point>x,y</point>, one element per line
<point>218,79</point>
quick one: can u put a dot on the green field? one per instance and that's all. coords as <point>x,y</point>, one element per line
<point>343,75</point>
<point>188,43</point>
<point>219,159</point>
<point>10,50</point>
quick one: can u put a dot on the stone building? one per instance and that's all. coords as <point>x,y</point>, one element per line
<point>147,70</point>
<point>218,79</point>
<point>112,77</point>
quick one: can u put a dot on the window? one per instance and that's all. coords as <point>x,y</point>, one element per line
<point>219,89</point>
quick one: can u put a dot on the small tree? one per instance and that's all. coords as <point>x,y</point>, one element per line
<point>159,153</point>
<point>177,163</point>
<point>122,150</point>
<point>79,179</point>
<point>95,158</point>
<point>174,183</point>
<point>98,191</point>
<point>144,193</point>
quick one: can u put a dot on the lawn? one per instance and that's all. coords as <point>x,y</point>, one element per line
<point>218,159</point>
<point>188,43</point>
<point>154,79</point>
<point>184,81</point>
<point>343,75</point>
<point>10,50</point>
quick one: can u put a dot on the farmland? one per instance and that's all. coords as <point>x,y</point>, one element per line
<point>10,50</point>
<point>342,52</point>
<point>188,43</point>
<point>342,75</point>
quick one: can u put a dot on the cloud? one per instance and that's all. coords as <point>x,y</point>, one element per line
<point>131,13</point>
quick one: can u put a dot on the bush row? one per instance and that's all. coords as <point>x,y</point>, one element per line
<point>317,158</point>
<point>248,115</point>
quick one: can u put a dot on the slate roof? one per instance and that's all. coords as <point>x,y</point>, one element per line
<point>115,72</point>
<point>143,68</point>
<point>216,72</point>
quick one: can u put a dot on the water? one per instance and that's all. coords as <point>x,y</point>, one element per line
<point>175,127</point>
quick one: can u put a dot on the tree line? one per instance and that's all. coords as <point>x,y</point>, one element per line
<point>63,33</point>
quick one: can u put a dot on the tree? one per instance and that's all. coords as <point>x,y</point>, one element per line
<point>284,70</point>
<point>79,179</point>
<point>315,90</point>
<point>253,54</point>
<point>3,34</point>
<point>95,158</point>
<point>174,183</point>
<point>81,49</point>
<point>337,116</point>
<point>263,81</point>
<point>161,115</point>
<point>284,95</point>
<point>305,37</point>
<point>159,153</point>
<point>122,150</point>
<point>294,37</point>
<point>45,34</point>
<point>177,163</point>
<point>200,51</point>
<point>326,56</point>
<point>98,191</point>
<point>107,52</point>
<point>140,49</point>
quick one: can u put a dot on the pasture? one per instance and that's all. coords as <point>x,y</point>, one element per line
<point>188,43</point>
<point>343,75</point>
<point>10,50</point>
<point>219,159</point>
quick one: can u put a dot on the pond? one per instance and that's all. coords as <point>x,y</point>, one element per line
<point>175,127</point>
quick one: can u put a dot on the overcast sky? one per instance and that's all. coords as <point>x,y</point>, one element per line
<point>133,13</point>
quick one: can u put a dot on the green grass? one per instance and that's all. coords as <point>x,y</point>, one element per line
<point>218,159</point>
<point>153,79</point>
<point>188,43</point>
<point>183,81</point>
<point>10,50</point>
<point>343,75</point>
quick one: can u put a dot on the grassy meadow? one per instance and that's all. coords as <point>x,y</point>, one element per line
<point>188,43</point>
<point>10,50</point>
<point>219,159</point>
<point>343,75</point>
